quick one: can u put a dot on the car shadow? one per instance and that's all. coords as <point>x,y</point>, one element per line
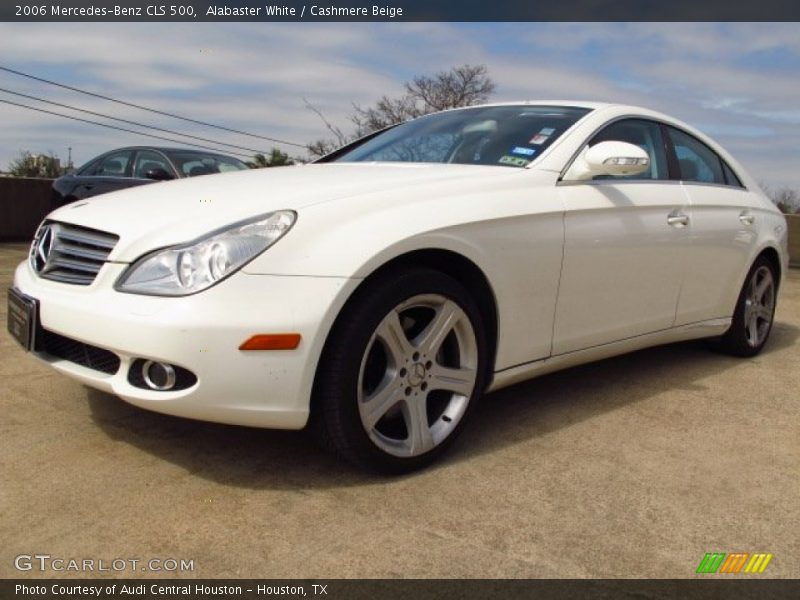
<point>270,459</point>
<point>540,406</point>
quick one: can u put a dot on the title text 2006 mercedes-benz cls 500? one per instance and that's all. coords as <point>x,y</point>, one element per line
<point>377,293</point>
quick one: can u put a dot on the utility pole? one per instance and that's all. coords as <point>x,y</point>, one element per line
<point>69,157</point>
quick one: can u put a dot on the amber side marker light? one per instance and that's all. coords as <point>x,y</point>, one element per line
<point>272,341</point>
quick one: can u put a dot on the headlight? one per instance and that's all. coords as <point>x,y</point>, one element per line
<point>193,267</point>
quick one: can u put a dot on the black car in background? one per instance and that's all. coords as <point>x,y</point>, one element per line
<point>127,167</point>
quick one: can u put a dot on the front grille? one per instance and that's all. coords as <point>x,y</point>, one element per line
<point>74,351</point>
<point>69,253</point>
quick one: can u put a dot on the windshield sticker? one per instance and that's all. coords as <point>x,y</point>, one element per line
<point>547,131</point>
<point>523,151</point>
<point>538,139</point>
<point>513,160</point>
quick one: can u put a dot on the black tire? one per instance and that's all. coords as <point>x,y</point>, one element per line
<point>740,339</point>
<point>339,395</point>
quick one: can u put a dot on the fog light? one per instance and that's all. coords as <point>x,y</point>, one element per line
<point>158,376</point>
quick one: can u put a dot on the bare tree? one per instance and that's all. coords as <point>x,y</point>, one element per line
<point>341,137</point>
<point>387,111</point>
<point>786,199</point>
<point>460,86</point>
<point>321,147</point>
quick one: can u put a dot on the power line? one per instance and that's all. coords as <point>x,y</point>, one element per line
<point>152,135</point>
<point>152,110</point>
<point>97,114</point>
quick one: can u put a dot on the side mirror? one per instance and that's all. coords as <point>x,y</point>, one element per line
<point>157,174</point>
<point>609,158</point>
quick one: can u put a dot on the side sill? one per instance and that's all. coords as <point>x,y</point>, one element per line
<point>690,331</point>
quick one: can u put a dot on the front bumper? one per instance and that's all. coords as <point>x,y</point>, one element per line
<point>201,333</point>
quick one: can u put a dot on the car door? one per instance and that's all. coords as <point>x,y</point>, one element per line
<point>722,233</point>
<point>111,172</point>
<point>624,248</point>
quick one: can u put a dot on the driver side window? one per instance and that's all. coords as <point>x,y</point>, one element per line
<point>642,133</point>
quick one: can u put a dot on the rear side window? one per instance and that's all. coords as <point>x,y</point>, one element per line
<point>642,133</point>
<point>696,161</point>
<point>730,176</point>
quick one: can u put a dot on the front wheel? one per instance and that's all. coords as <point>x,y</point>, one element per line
<point>754,313</point>
<point>402,370</point>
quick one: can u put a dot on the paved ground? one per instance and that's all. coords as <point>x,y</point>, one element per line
<point>632,467</point>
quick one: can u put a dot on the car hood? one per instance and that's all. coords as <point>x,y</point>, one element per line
<point>162,214</point>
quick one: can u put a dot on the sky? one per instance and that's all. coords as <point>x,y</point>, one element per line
<point>738,83</point>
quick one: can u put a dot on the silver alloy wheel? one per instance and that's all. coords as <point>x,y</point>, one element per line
<point>759,306</point>
<point>417,375</point>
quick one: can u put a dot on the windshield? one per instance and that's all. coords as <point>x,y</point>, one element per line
<point>508,136</point>
<point>191,164</point>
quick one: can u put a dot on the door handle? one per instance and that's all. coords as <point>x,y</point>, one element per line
<point>747,218</point>
<point>678,220</point>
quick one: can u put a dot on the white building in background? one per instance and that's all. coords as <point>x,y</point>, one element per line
<point>42,161</point>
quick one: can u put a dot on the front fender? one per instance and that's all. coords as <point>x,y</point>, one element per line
<point>517,249</point>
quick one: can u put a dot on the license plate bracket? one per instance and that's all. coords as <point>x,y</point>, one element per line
<point>23,318</point>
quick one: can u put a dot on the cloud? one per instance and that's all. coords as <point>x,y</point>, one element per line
<point>723,103</point>
<point>737,81</point>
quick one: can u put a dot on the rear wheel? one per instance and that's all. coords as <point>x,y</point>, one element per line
<point>401,371</point>
<point>755,311</point>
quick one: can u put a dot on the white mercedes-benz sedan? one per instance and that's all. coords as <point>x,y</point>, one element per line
<point>378,293</point>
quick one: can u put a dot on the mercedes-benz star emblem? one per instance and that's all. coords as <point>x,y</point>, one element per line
<point>417,374</point>
<point>43,247</point>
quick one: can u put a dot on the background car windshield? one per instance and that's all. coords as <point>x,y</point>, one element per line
<point>191,164</point>
<point>508,136</point>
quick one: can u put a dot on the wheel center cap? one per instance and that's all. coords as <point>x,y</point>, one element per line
<point>416,374</point>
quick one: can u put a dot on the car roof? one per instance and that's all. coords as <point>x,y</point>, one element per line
<point>171,149</point>
<point>604,107</point>
<point>607,109</point>
<point>569,103</point>
<point>588,104</point>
